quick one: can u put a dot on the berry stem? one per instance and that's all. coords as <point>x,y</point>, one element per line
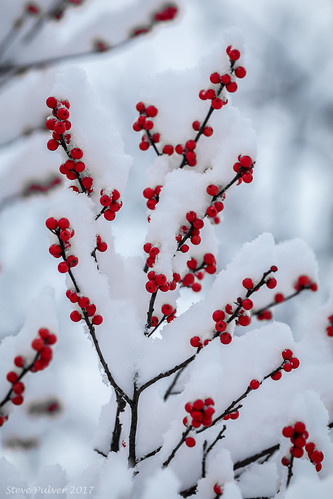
<point>115,442</point>
<point>273,304</point>
<point>290,469</point>
<point>207,450</point>
<point>180,443</point>
<point>173,384</point>
<point>65,148</point>
<point>157,326</point>
<point>152,143</point>
<point>150,312</point>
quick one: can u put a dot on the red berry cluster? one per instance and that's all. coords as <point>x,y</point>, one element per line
<point>196,224</point>
<point>152,252</point>
<point>264,315</point>
<point>111,204</point>
<point>188,152</point>
<point>87,308</point>
<point>167,13</point>
<point>207,131</point>
<point>329,329</point>
<point>289,363</point>
<point>231,415</point>
<point>144,122</point>
<point>201,412</point>
<point>298,436</point>
<point>217,206</point>
<point>61,228</point>
<point>159,282</point>
<point>198,271</point>
<point>244,167</point>
<point>221,326</point>
<point>304,282</point>
<point>100,245</point>
<point>42,346</point>
<point>168,312</point>
<point>59,124</point>
<point>152,196</point>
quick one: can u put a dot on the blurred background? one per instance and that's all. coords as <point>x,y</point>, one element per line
<point>287,94</point>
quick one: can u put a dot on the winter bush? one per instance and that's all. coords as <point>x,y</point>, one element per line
<point>209,396</point>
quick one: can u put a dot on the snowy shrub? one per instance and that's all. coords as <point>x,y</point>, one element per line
<point>209,395</point>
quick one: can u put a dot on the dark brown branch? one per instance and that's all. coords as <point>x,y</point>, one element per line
<point>150,454</point>
<point>166,373</point>
<point>134,424</point>
<point>23,373</point>
<point>115,442</point>
<point>180,443</point>
<point>150,311</point>
<point>172,385</point>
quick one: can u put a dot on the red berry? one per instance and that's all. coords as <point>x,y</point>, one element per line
<point>59,127</point>
<point>190,442</point>
<point>247,304</point>
<point>51,223</point>
<point>202,95</point>
<point>234,55</point>
<point>75,316</point>
<point>195,342</point>
<point>294,362</point>
<point>225,338</point>
<point>151,111</point>
<point>166,309</point>
<point>276,376</point>
<point>144,145</point>
<point>207,131</point>
<point>254,384</point>
<point>245,161</point>
<point>244,320</point>
<point>198,404</point>
<point>51,102</point>
<point>234,415</point>
<point>79,167</point>
<point>168,149</point>
<point>210,94</point>
<point>221,326</point>
<point>231,87</point>
<point>151,287</point>
<point>247,283</point>
<point>212,190</point>
<point>225,79</point>
<point>19,361</point>
<point>215,78</point>
<point>18,388</point>
<point>109,215</point>
<point>97,320</point>
<point>271,283</point>
<point>12,377</point>
<point>217,103</point>
<point>184,248</point>
<point>288,431</point>
<point>196,125</point>
<point>50,123</point>
<point>52,339</point>
<point>240,72</point>
<point>297,452</point>
<point>319,467</point>
<point>37,344</point>
<point>287,367</point>
<point>190,145</point>
<point>287,354</point>
<point>278,298</point>
<point>52,145</point>
<point>76,153</point>
<point>217,489</point>
<point>63,223</point>
<point>317,456</point>
<point>44,333</point>
<point>299,427</point>
<point>17,400</point>
<point>218,315</point>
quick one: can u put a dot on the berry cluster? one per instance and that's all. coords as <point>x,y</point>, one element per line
<point>198,271</point>
<point>289,363</point>
<point>152,252</point>
<point>168,314</point>
<point>159,282</point>
<point>329,329</point>
<point>187,151</point>
<point>304,282</point>
<point>145,122</point>
<point>167,13</point>
<point>201,412</point>
<point>111,204</point>
<point>87,308</point>
<point>152,196</point>
<point>216,206</point>
<point>244,167</point>
<point>43,356</point>
<point>101,245</point>
<point>298,436</point>
<point>193,232</point>
<point>59,124</point>
<point>61,228</point>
